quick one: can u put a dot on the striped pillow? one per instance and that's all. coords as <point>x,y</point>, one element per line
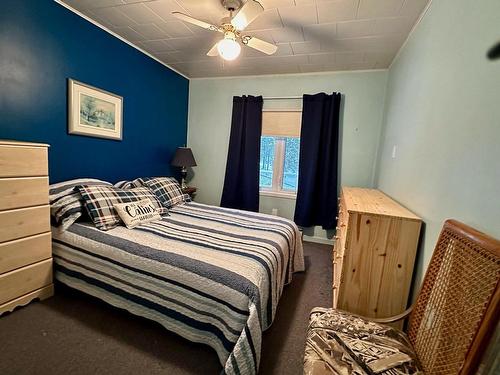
<point>127,184</point>
<point>99,202</point>
<point>166,189</point>
<point>66,204</point>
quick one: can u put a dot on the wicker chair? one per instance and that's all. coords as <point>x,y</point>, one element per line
<point>453,317</point>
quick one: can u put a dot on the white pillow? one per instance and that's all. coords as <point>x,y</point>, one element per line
<point>137,213</point>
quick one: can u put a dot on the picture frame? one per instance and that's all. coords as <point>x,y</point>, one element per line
<point>94,112</point>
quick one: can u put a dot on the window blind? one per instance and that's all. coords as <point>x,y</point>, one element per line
<point>281,123</point>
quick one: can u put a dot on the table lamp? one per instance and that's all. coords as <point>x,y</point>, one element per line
<point>183,158</point>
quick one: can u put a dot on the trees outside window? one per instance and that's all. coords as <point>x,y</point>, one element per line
<point>279,163</point>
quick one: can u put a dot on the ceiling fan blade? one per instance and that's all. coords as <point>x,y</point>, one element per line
<point>194,21</point>
<point>247,14</point>
<point>213,51</point>
<point>260,45</point>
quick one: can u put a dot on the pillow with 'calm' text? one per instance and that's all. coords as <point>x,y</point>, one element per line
<point>137,213</point>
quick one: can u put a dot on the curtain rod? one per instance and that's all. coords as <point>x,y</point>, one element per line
<point>281,97</point>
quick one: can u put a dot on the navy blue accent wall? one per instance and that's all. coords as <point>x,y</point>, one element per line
<point>42,44</point>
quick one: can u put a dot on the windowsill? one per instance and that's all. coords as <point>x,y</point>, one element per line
<point>278,194</point>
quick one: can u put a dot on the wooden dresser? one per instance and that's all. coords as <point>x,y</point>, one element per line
<point>374,253</point>
<point>25,240</point>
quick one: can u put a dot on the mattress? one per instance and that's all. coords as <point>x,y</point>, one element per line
<point>210,274</point>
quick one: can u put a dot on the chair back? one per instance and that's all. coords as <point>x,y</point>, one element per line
<point>458,306</point>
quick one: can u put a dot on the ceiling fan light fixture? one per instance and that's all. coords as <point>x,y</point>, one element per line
<point>229,49</point>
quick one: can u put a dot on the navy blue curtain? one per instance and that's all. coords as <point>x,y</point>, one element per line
<point>318,162</point>
<point>241,184</point>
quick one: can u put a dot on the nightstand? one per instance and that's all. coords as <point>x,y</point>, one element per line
<point>190,190</point>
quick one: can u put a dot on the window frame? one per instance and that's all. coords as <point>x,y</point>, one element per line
<point>276,189</point>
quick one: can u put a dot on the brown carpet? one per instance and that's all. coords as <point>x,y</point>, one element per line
<point>72,333</point>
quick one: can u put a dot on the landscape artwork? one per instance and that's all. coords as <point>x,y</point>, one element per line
<point>94,112</point>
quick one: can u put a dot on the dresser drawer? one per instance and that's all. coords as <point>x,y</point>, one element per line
<point>28,250</point>
<point>25,280</point>
<point>24,222</point>
<point>23,161</point>
<point>23,192</point>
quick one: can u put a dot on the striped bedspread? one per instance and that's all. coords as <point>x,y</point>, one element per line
<point>210,274</point>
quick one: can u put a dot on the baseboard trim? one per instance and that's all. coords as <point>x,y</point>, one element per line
<point>317,239</point>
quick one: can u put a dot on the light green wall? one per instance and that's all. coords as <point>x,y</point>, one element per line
<point>443,113</point>
<point>210,106</point>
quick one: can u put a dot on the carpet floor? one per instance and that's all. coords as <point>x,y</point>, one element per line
<point>72,333</point>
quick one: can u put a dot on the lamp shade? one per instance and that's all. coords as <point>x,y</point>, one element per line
<point>183,158</point>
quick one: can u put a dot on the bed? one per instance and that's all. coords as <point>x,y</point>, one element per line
<point>210,274</point>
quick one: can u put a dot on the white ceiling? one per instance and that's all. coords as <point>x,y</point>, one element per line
<point>311,35</point>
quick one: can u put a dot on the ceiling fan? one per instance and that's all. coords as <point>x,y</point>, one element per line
<point>229,47</point>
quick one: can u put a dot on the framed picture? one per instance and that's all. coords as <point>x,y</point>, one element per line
<point>94,112</point>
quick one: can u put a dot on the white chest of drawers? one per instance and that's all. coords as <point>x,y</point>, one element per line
<point>25,240</point>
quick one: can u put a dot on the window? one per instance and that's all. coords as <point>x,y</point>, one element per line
<point>279,152</point>
<point>267,145</point>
